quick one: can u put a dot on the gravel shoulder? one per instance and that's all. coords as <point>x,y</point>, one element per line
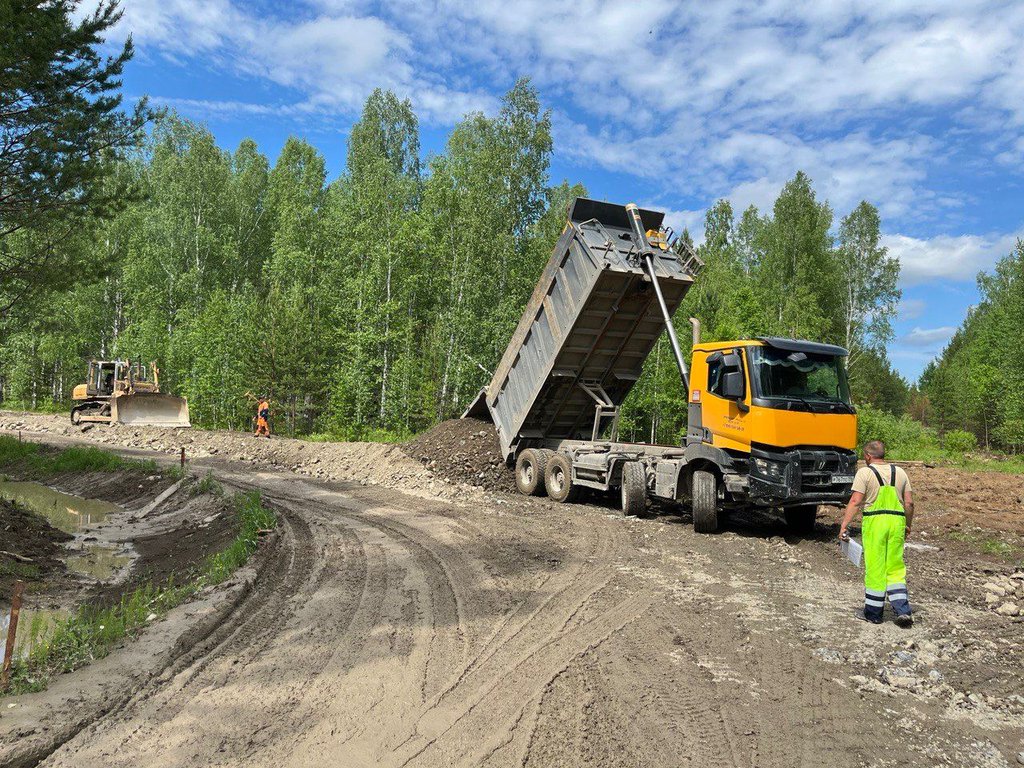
<point>461,625</point>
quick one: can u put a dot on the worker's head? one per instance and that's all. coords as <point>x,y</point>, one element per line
<point>874,451</point>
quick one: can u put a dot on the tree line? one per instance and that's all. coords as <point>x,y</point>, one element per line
<point>977,384</point>
<point>377,303</point>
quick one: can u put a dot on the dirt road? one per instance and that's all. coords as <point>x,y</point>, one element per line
<point>388,629</point>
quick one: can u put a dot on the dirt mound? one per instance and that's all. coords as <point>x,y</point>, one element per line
<point>463,451</point>
<point>29,547</point>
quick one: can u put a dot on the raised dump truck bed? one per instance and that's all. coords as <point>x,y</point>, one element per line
<point>585,333</point>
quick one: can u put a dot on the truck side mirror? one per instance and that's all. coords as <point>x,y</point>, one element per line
<point>733,386</point>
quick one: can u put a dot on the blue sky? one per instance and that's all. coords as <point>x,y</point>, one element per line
<point>916,107</point>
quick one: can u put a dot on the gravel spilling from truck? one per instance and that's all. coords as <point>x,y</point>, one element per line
<point>463,451</point>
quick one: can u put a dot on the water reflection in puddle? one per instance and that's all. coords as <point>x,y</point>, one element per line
<point>64,511</point>
<point>99,561</point>
<point>72,514</point>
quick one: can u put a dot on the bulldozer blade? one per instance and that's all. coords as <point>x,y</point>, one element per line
<point>150,409</point>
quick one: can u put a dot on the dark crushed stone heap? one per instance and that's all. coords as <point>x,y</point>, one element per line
<point>463,451</point>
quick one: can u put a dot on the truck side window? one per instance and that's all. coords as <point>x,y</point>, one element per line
<point>715,370</point>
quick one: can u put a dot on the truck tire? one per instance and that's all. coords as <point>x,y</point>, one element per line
<point>634,489</point>
<point>558,479</point>
<point>801,519</point>
<point>704,500</point>
<point>530,468</point>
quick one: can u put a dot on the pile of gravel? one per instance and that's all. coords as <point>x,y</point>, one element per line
<point>463,451</point>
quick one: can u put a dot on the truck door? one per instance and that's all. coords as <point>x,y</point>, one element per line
<point>726,400</point>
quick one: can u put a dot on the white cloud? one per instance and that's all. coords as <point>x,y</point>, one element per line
<point>929,337</point>
<point>911,309</point>
<point>331,59</point>
<point>702,100</point>
<point>693,221</point>
<point>225,108</point>
<point>949,257</point>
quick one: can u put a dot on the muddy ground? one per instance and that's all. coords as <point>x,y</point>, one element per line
<point>461,625</point>
<point>30,549</point>
<point>154,542</point>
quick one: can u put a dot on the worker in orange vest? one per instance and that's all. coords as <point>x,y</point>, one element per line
<point>263,418</point>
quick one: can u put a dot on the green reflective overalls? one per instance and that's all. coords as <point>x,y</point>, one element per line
<point>884,531</point>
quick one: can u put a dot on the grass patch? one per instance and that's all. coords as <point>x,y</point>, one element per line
<point>77,458</point>
<point>253,518</point>
<point>207,485</point>
<point>988,544</point>
<point>93,632</point>
<point>1009,464</point>
<point>14,569</point>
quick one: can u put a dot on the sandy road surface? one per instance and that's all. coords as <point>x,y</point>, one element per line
<point>390,630</point>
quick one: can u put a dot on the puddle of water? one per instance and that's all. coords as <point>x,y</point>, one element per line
<point>64,511</point>
<point>98,561</point>
<point>34,626</point>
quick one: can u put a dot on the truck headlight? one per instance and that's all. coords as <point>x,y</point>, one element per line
<point>768,468</point>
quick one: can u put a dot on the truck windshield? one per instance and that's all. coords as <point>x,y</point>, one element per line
<point>778,374</point>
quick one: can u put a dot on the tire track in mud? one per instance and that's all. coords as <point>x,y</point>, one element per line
<point>389,630</point>
<point>403,576</point>
<point>242,637</point>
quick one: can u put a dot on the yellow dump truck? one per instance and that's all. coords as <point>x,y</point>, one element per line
<point>126,392</point>
<point>769,420</point>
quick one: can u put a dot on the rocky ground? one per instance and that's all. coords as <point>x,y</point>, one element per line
<point>442,621</point>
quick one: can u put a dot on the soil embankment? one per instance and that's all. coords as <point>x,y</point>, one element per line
<point>30,549</point>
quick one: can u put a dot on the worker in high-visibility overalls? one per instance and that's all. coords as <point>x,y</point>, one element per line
<point>882,490</point>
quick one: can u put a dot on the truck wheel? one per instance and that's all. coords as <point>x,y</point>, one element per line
<point>76,416</point>
<point>634,488</point>
<point>704,500</point>
<point>558,479</point>
<point>530,468</point>
<point>801,519</point>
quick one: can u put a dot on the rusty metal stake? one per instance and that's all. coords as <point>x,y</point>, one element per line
<point>12,631</point>
<point>183,457</point>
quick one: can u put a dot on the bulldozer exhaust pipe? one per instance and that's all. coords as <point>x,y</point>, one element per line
<point>695,325</point>
<point>648,256</point>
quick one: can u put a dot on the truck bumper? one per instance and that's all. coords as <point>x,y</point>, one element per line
<point>801,476</point>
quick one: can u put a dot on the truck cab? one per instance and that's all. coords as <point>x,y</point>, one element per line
<point>771,420</point>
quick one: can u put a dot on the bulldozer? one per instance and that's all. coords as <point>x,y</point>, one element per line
<point>126,392</point>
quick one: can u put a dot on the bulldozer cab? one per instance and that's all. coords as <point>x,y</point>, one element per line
<point>109,376</point>
<point>103,377</point>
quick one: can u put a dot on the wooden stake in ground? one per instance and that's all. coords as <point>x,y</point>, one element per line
<point>12,631</point>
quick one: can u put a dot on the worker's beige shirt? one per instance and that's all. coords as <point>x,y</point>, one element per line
<point>865,482</point>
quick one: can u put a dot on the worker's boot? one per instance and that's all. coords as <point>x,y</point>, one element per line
<point>897,594</point>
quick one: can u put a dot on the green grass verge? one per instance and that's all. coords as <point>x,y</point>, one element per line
<point>78,458</point>
<point>92,632</point>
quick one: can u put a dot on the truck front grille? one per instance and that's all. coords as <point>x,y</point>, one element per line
<point>817,467</point>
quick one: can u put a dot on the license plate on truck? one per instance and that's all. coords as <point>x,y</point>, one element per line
<point>842,479</point>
